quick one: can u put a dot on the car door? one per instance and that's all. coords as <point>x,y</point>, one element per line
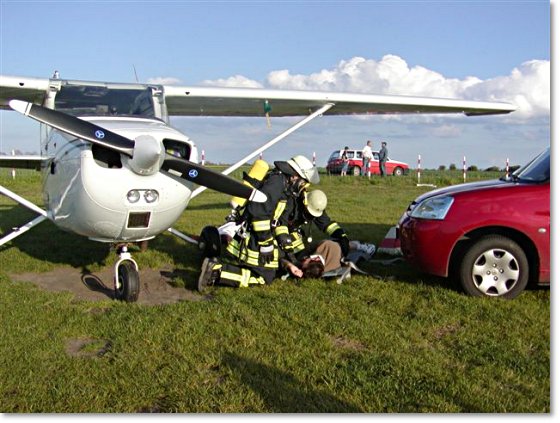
<point>374,164</point>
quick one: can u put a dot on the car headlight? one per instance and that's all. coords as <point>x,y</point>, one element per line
<point>433,208</point>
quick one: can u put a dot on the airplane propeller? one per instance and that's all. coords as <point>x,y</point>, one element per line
<point>147,156</point>
<point>74,126</point>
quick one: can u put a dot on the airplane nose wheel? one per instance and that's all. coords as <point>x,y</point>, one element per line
<point>127,279</point>
<point>210,242</point>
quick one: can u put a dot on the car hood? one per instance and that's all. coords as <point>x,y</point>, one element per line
<point>471,186</point>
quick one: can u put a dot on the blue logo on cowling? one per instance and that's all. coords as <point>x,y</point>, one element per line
<point>99,134</point>
<point>193,173</point>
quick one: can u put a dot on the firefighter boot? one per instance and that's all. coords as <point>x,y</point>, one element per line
<point>209,273</point>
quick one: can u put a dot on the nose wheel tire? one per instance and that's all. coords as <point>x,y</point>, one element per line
<point>210,243</point>
<point>128,286</point>
<point>494,266</point>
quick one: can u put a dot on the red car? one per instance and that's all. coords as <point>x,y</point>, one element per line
<point>393,167</point>
<point>493,237</point>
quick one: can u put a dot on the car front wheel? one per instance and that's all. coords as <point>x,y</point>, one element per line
<point>398,171</point>
<point>494,266</point>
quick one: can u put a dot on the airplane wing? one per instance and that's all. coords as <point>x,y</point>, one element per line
<point>214,101</point>
<point>209,101</point>
<point>22,162</point>
<point>32,90</point>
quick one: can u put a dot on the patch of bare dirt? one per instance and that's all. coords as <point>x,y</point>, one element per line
<point>346,343</point>
<point>87,347</point>
<point>155,285</point>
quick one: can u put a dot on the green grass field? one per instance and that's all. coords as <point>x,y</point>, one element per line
<point>402,342</point>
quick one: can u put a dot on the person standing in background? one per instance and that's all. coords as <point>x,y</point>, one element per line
<point>367,155</point>
<point>383,154</point>
<point>345,162</point>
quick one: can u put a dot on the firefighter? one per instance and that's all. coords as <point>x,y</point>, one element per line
<point>301,212</point>
<point>304,260</point>
<point>252,256</point>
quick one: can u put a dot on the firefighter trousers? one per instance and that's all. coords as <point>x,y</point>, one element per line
<point>243,277</point>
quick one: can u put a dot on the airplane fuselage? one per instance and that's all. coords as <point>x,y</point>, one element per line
<point>93,192</point>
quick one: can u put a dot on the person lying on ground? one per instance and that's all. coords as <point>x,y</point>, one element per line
<point>327,256</point>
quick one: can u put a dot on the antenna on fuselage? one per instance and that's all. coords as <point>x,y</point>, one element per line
<point>135,74</point>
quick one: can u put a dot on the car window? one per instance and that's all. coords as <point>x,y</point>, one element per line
<point>359,154</point>
<point>375,155</point>
<point>335,155</point>
<point>351,154</point>
<point>537,170</point>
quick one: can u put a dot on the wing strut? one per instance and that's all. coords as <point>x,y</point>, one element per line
<point>22,229</point>
<point>283,135</point>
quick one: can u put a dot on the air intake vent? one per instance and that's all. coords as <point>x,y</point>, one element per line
<point>138,220</point>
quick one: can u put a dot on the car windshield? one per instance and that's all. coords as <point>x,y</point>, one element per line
<point>537,170</point>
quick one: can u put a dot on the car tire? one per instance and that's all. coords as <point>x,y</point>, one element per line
<point>356,171</point>
<point>493,266</point>
<point>398,171</point>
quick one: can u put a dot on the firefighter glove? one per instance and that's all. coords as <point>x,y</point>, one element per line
<point>285,242</point>
<point>266,254</point>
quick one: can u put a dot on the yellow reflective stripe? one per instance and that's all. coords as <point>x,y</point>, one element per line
<point>256,280</point>
<point>266,241</point>
<point>252,253</point>
<point>332,227</point>
<point>296,236</point>
<point>233,248</point>
<point>244,279</point>
<point>261,225</point>
<point>280,207</point>
<point>253,260</point>
<point>297,242</point>
<point>298,246</point>
<point>232,276</point>
<point>250,257</point>
<point>246,276</point>
<point>279,230</point>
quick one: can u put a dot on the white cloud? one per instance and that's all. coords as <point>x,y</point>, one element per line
<point>391,75</point>
<point>238,81</point>
<point>527,87</point>
<point>163,80</point>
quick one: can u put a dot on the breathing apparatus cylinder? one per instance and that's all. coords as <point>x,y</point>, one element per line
<point>258,172</point>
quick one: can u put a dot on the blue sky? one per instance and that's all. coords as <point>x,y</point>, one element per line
<point>504,45</point>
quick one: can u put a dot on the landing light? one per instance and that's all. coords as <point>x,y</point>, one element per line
<point>133,196</point>
<point>151,195</point>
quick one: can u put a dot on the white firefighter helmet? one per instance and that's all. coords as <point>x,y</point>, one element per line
<point>315,202</point>
<point>304,168</point>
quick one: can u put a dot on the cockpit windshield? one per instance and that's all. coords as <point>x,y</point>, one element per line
<point>96,100</point>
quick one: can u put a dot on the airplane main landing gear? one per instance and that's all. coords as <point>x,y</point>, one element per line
<point>127,279</point>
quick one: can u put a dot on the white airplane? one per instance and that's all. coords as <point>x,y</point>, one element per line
<point>115,171</point>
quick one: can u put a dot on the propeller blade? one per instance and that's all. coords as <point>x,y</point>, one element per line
<point>214,180</point>
<point>74,126</point>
